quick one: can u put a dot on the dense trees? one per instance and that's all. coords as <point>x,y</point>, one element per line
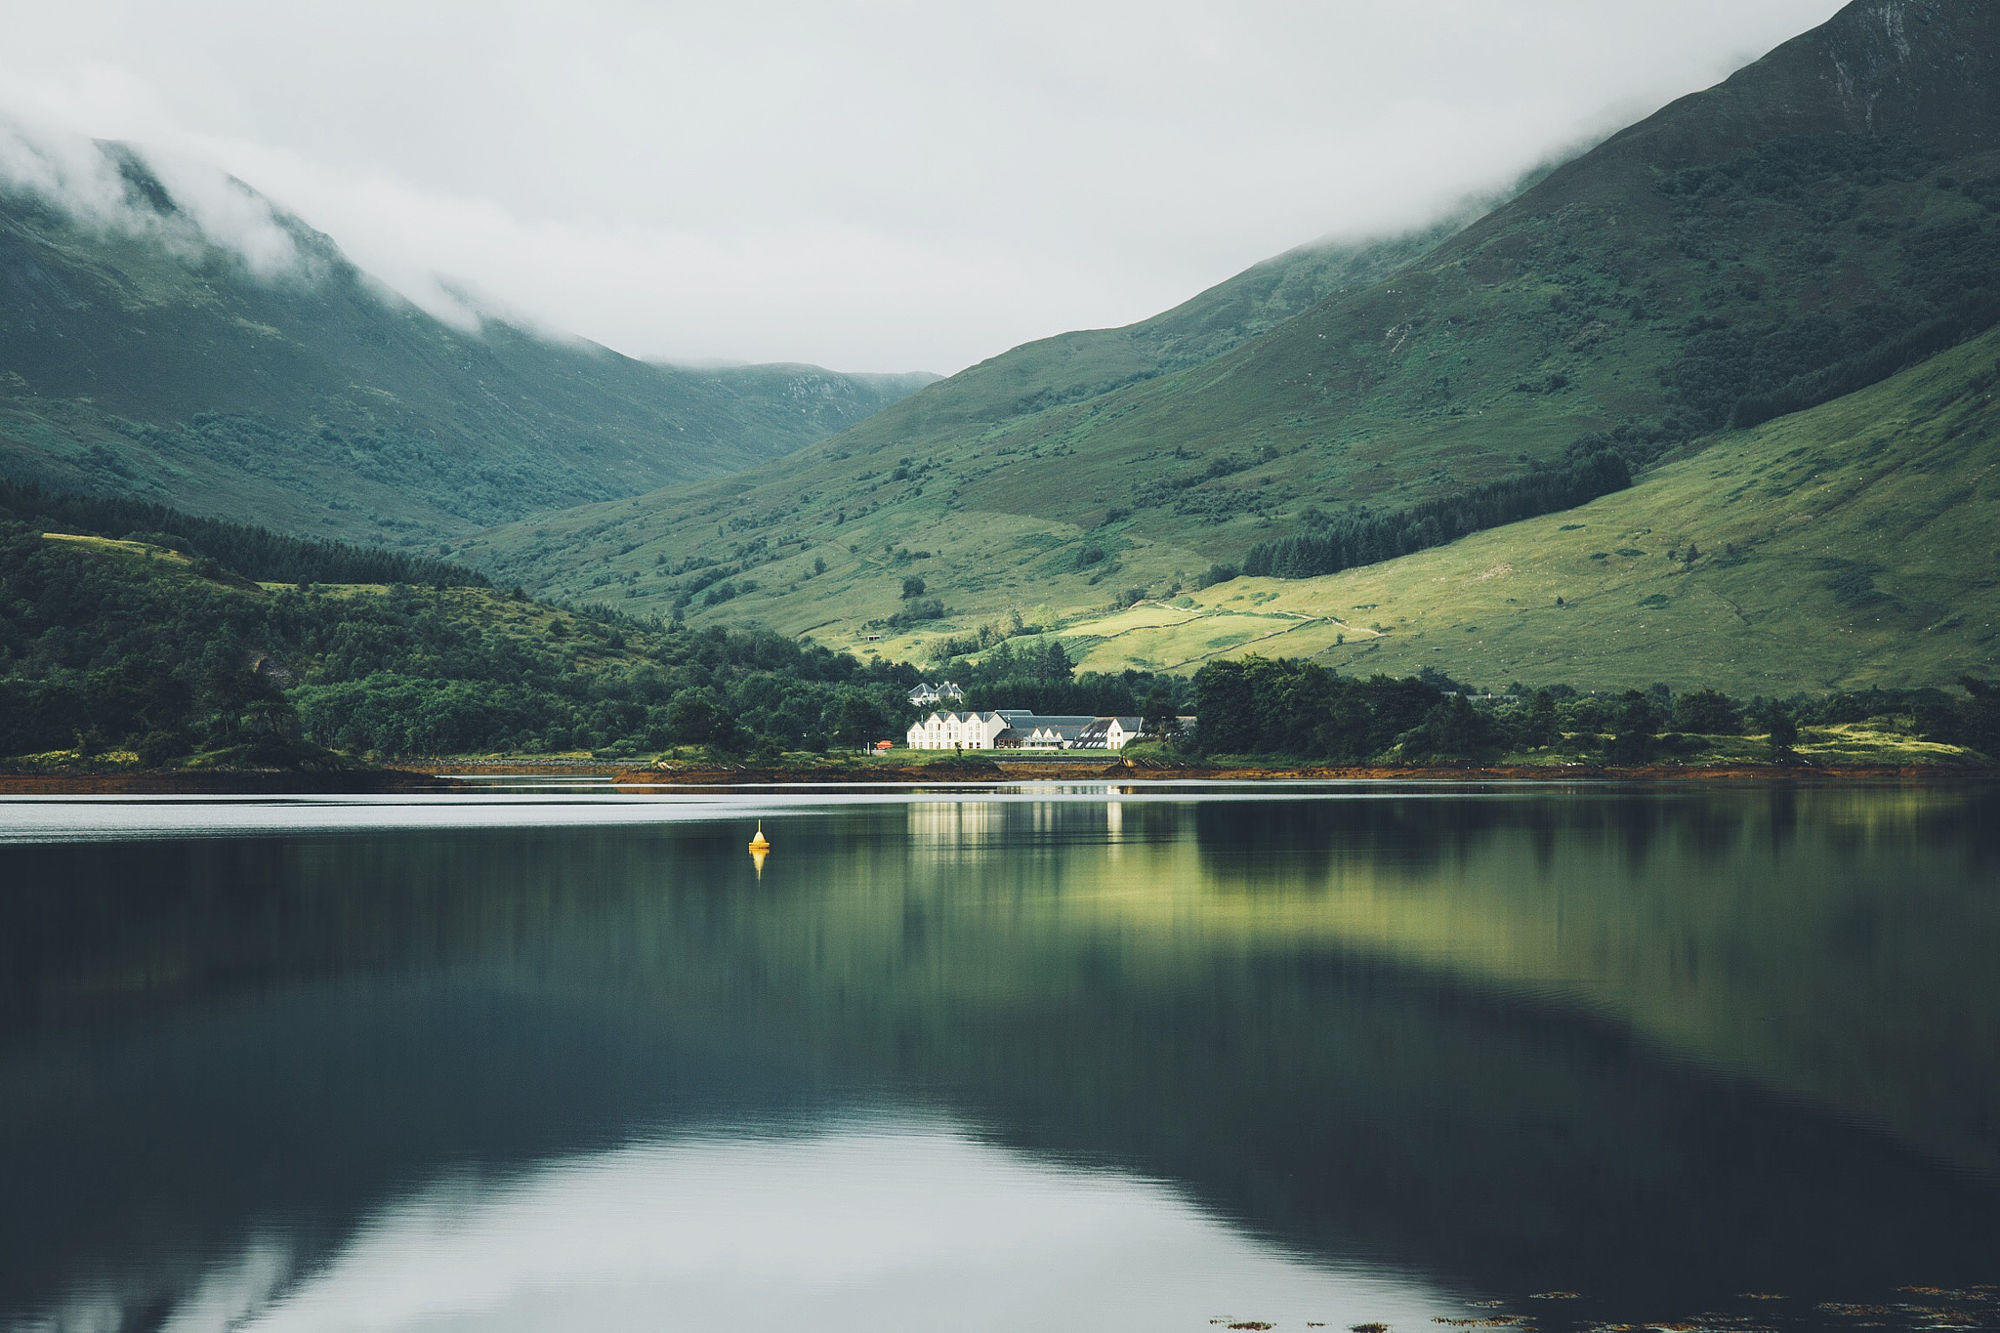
<point>1965,319</point>
<point>1330,545</point>
<point>1286,706</point>
<point>253,552</point>
<point>1301,710</point>
<point>1040,675</point>
<point>101,649</point>
<point>1743,360</point>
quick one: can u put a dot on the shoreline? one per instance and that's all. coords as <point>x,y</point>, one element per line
<point>441,778</point>
<point>1005,772</point>
<point>256,782</point>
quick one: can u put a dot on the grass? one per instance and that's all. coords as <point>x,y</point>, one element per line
<point>143,550</point>
<point>1843,547</point>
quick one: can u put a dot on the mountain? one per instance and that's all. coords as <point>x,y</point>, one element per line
<point>1844,547</point>
<point>1017,387</point>
<point>1073,367</point>
<point>1817,221</point>
<point>202,348</point>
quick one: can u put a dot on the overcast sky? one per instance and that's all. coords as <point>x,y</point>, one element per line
<point>871,186</point>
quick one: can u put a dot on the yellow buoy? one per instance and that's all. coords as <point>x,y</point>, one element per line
<point>760,843</point>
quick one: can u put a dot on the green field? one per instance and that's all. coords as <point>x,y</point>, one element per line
<point>1857,544</point>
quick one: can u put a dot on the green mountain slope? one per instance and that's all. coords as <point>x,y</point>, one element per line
<point>591,549</point>
<point>1849,546</point>
<point>1822,203</point>
<point>1073,367</point>
<point>137,357</point>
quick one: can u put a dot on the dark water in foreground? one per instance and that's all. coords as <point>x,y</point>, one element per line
<point>1730,1057</point>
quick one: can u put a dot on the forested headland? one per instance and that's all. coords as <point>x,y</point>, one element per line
<point>110,646</point>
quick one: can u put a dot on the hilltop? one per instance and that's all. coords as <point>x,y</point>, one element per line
<point>274,382</point>
<point>1826,216</point>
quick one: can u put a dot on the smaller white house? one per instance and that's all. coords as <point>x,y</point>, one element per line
<point>1109,733</point>
<point>927,695</point>
<point>1115,733</point>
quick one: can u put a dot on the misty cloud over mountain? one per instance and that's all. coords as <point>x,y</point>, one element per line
<point>867,187</point>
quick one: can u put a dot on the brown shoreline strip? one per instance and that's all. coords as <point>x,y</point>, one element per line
<point>437,779</point>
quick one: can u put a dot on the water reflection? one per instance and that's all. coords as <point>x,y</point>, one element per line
<point>910,1222</point>
<point>1658,1050</point>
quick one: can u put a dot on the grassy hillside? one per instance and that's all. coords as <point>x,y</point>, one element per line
<point>588,551</point>
<point>1830,201</point>
<point>1849,546</point>
<point>119,651</point>
<point>139,358</point>
<point>1073,367</point>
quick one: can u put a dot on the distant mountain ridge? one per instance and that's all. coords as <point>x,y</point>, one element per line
<point>1804,228</point>
<point>137,356</point>
<point>1072,367</point>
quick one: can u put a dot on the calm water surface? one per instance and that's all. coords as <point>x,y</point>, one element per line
<point>1076,1057</point>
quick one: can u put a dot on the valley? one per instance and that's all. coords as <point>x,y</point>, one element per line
<point>1709,405</point>
<point>1824,218</point>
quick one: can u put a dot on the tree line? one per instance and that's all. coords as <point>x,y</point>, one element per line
<point>1332,544</point>
<point>1299,709</point>
<point>1966,319</point>
<point>245,549</point>
<point>1041,676</point>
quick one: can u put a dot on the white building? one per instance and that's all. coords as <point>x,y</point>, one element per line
<point>963,731</point>
<point>1013,728</point>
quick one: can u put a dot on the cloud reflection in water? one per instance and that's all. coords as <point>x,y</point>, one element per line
<point>870,1224</point>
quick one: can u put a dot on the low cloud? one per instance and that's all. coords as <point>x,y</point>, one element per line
<point>106,187</point>
<point>870,184</point>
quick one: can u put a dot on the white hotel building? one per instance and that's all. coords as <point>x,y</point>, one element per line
<point>1017,729</point>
